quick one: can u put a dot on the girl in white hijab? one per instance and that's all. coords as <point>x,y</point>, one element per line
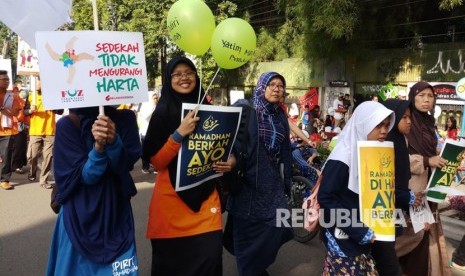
<point>294,111</point>
<point>348,246</point>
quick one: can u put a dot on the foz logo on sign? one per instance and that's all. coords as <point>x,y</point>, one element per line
<point>74,95</point>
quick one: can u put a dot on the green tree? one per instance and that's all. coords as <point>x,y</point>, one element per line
<point>9,46</point>
<point>341,28</point>
<point>148,17</point>
<point>282,36</point>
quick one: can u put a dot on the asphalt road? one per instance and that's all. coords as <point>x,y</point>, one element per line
<point>27,222</point>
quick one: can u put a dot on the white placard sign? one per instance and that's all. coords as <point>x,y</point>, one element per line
<point>235,95</point>
<point>26,62</point>
<point>91,68</point>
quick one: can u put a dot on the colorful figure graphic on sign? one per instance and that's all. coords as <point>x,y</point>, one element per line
<point>69,57</point>
<point>23,58</point>
<point>29,58</point>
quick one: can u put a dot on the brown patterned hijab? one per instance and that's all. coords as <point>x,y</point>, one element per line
<point>422,137</point>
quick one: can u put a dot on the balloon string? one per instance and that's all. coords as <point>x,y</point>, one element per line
<point>200,84</point>
<point>208,88</point>
<point>200,90</point>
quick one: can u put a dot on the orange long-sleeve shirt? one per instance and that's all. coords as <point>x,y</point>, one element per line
<point>16,106</point>
<point>169,216</point>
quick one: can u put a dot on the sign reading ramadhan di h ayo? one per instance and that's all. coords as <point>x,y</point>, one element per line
<point>91,68</point>
<point>376,172</point>
<point>439,184</point>
<point>211,141</point>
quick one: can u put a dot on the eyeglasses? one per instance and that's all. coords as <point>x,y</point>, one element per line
<point>189,75</point>
<point>273,86</point>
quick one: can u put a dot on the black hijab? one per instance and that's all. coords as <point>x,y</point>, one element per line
<point>422,137</point>
<point>165,120</point>
<point>402,163</point>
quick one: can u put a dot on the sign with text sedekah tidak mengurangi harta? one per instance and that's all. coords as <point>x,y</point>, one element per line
<point>91,68</point>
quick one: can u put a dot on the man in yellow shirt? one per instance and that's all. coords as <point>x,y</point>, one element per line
<point>41,136</point>
<point>9,108</point>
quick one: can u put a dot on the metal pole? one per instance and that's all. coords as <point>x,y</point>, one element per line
<point>94,9</point>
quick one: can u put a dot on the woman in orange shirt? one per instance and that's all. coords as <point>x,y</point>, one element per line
<point>184,227</point>
<point>20,143</point>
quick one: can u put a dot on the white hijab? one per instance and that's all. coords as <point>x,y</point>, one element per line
<point>364,119</point>
<point>294,111</point>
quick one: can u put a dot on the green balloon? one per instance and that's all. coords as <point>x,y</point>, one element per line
<point>333,143</point>
<point>191,24</point>
<point>233,43</point>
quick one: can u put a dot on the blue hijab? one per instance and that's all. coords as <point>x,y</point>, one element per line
<point>271,130</point>
<point>98,218</point>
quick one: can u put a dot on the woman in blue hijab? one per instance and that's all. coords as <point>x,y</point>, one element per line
<point>93,157</point>
<point>254,211</point>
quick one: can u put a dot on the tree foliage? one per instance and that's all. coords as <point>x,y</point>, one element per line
<point>285,28</point>
<point>450,4</point>
<point>148,17</point>
<point>285,39</point>
<point>8,45</point>
<point>341,28</point>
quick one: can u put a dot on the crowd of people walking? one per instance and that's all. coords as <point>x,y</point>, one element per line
<point>28,132</point>
<point>94,154</point>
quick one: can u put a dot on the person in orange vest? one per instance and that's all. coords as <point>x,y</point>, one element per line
<point>9,108</point>
<point>19,159</point>
<point>41,136</point>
